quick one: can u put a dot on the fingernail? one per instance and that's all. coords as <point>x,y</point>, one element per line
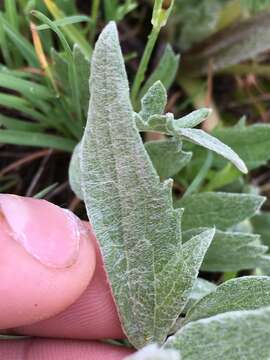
<point>48,233</point>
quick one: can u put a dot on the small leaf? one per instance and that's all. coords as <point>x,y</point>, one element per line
<point>245,293</point>
<point>222,210</point>
<point>153,352</point>
<point>178,128</point>
<point>193,119</point>
<point>194,251</point>
<point>166,157</point>
<point>202,138</point>
<point>164,72</point>
<point>236,335</point>
<point>154,101</point>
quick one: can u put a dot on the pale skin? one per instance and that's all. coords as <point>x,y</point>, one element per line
<point>52,287</point>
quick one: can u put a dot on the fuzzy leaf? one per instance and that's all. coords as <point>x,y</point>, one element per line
<point>200,137</point>
<point>222,210</point>
<point>231,251</point>
<point>193,119</point>
<point>154,101</point>
<point>179,129</point>
<point>130,210</point>
<point>245,293</point>
<point>236,335</point>
<point>166,157</point>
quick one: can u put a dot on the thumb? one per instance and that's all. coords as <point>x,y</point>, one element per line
<point>46,260</point>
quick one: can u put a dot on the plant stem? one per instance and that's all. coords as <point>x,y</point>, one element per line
<point>94,16</point>
<point>139,78</point>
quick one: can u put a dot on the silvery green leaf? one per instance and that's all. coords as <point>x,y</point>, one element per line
<point>154,101</point>
<point>261,225</point>
<point>200,289</point>
<point>222,210</point>
<point>179,129</point>
<point>131,210</point>
<point>166,157</point>
<point>200,137</point>
<point>74,172</point>
<point>231,251</point>
<point>153,352</point>
<point>165,70</point>
<point>251,143</point>
<point>245,293</point>
<point>194,251</point>
<point>235,335</point>
<point>191,120</point>
<point>168,125</point>
<point>82,65</point>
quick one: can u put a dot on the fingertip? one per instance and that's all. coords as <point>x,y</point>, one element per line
<point>46,260</point>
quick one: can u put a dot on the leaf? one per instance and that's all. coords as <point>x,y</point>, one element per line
<point>194,251</point>
<point>178,128</point>
<point>222,210</point>
<point>164,72</point>
<point>154,101</point>
<point>236,335</point>
<point>245,293</point>
<point>74,172</point>
<point>130,210</point>
<point>193,119</point>
<point>166,157</point>
<point>261,225</point>
<point>202,138</point>
<point>153,352</point>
